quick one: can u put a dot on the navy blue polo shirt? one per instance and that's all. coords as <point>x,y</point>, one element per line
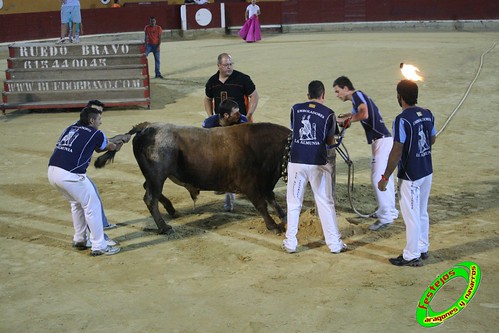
<point>75,147</point>
<point>214,121</point>
<point>374,126</point>
<point>414,128</point>
<point>311,123</point>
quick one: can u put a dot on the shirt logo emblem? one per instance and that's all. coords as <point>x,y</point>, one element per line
<point>69,138</point>
<point>308,131</point>
<point>423,145</point>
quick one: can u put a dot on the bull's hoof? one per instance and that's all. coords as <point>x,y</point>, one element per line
<point>168,231</point>
<point>173,214</point>
<point>276,229</point>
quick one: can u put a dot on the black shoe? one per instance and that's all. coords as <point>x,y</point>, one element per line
<point>159,76</point>
<point>425,255</point>
<point>80,245</point>
<point>400,261</point>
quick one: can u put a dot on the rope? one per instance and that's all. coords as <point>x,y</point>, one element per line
<point>346,157</point>
<point>467,91</point>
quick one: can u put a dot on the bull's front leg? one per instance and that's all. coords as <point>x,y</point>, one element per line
<point>151,201</point>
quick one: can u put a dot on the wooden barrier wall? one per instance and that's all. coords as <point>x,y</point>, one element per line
<point>41,25</point>
<point>49,75</point>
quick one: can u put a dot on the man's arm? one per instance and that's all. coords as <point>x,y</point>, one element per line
<point>115,143</point>
<point>160,32</point>
<point>393,160</point>
<point>208,105</point>
<point>362,114</point>
<point>110,146</point>
<point>253,99</point>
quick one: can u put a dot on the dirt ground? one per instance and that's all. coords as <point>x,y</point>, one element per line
<point>224,272</point>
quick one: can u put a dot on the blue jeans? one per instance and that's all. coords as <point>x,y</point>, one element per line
<point>105,223</point>
<point>155,50</point>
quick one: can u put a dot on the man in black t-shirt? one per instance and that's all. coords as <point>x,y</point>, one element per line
<point>229,83</point>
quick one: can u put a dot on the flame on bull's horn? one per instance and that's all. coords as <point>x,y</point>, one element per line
<point>410,72</point>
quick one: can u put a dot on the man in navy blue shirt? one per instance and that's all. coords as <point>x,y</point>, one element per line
<point>67,173</point>
<point>314,126</point>
<point>414,134</point>
<point>228,115</point>
<point>381,141</point>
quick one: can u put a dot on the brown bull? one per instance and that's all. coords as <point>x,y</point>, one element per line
<point>245,159</point>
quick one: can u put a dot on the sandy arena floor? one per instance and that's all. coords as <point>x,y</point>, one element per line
<point>223,272</point>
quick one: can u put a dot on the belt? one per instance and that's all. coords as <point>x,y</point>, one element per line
<point>381,137</point>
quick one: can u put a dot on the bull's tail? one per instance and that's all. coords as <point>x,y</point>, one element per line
<point>108,157</point>
<point>138,128</point>
<point>104,159</point>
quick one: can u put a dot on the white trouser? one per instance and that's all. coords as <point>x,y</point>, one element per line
<point>319,177</point>
<point>86,208</point>
<point>380,151</point>
<point>413,196</point>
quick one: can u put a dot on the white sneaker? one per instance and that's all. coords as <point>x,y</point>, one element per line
<point>108,251</point>
<point>378,225</point>
<point>343,248</point>
<point>287,249</point>
<point>111,242</point>
<point>76,39</point>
